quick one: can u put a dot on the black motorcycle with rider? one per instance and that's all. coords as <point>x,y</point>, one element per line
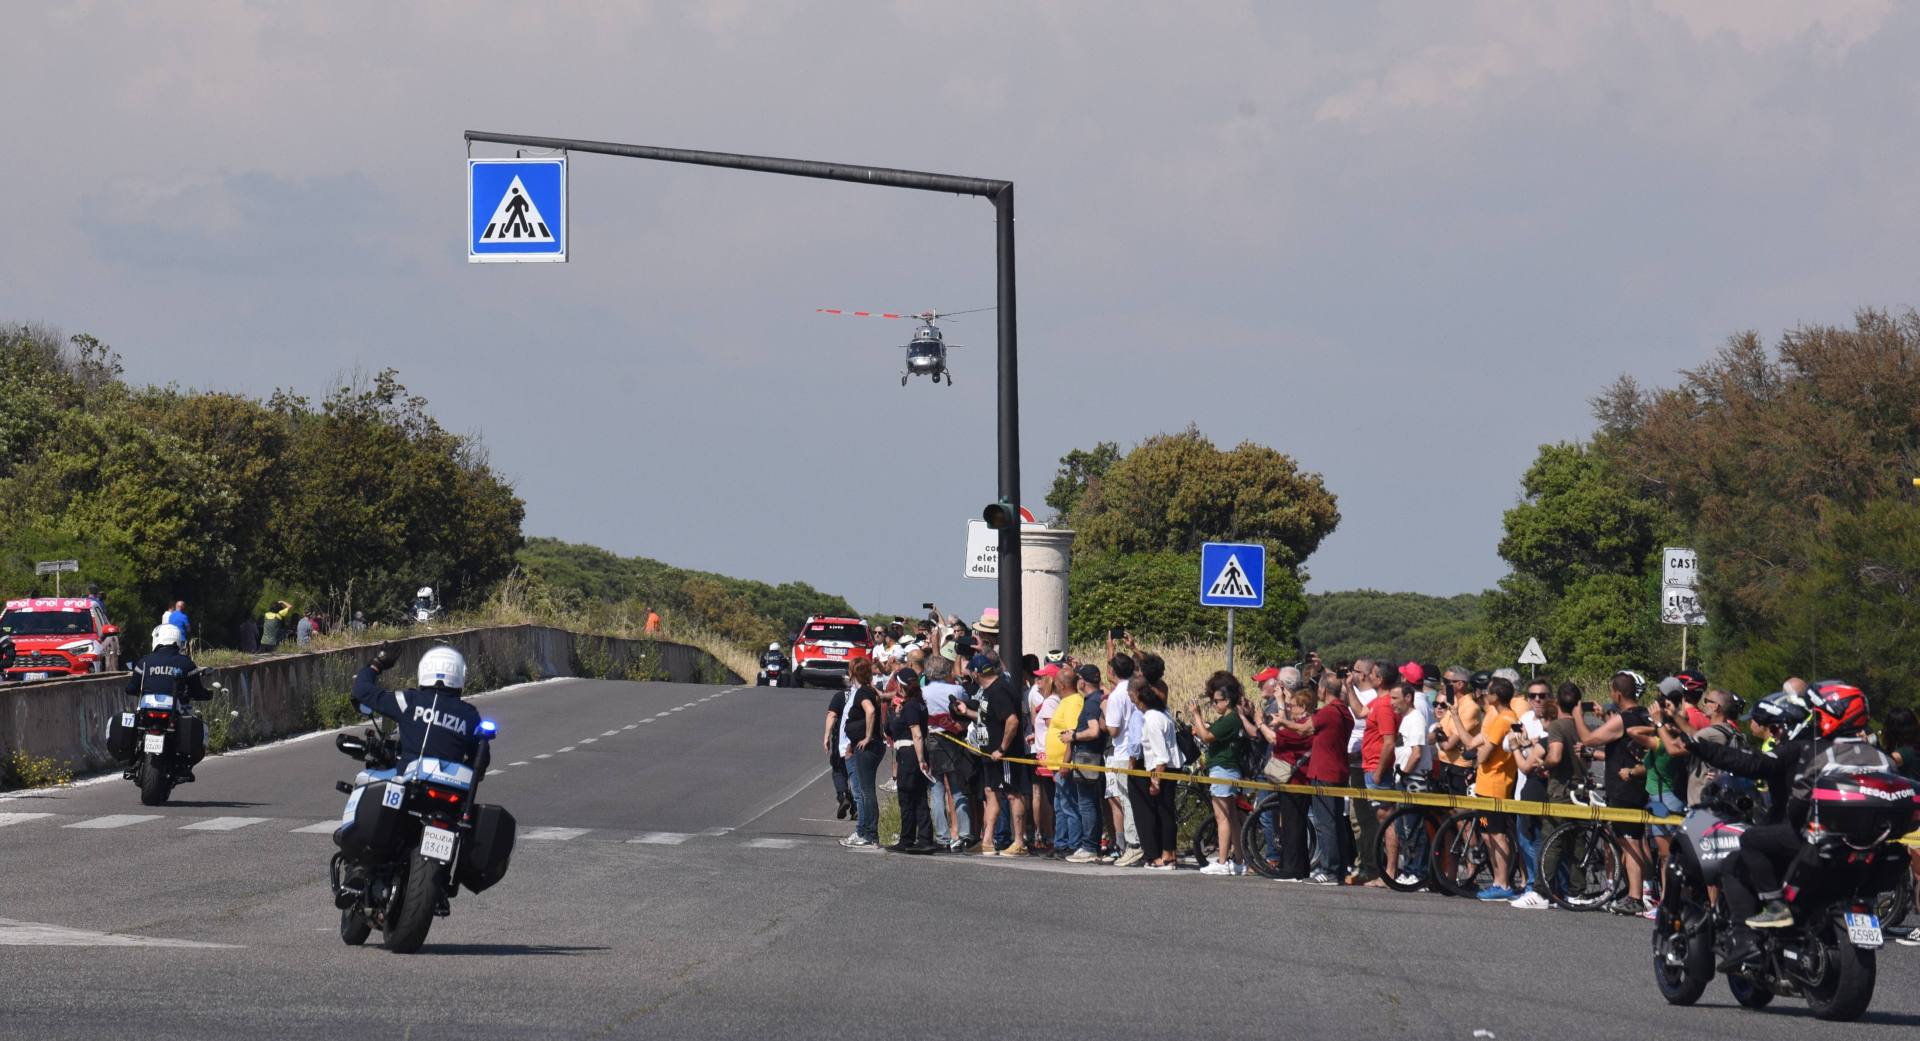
<point>1782,895</point>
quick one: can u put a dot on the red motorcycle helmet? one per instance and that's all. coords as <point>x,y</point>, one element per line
<point>1839,708</point>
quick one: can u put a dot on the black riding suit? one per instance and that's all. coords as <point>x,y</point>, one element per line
<point>434,724</point>
<point>1772,842</point>
<point>167,672</point>
<point>772,658</point>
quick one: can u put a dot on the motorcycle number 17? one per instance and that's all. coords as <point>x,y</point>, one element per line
<point>1864,930</point>
<point>437,844</point>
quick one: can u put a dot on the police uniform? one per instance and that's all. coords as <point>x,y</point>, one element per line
<point>167,672</point>
<point>434,724</point>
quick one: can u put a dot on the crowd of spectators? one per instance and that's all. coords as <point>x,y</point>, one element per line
<point>955,719</point>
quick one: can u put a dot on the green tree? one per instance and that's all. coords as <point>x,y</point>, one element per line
<point>1079,469</point>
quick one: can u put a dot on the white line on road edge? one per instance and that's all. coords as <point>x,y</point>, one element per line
<point>770,843</point>
<point>224,823</point>
<point>661,838</point>
<point>553,834</point>
<point>34,934</point>
<point>114,820</point>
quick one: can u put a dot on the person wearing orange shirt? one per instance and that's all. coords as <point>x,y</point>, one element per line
<point>1498,771</point>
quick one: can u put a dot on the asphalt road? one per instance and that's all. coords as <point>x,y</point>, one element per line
<point>677,877</point>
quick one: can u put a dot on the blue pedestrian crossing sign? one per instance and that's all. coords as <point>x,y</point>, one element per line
<point>1233,574</point>
<point>516,210</point>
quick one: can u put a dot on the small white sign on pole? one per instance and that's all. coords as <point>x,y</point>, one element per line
<point>1681,568</point>
<point>1533,655</point>
<point>983,552</point>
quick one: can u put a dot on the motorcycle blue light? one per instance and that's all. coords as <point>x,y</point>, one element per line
<point>487,727</point>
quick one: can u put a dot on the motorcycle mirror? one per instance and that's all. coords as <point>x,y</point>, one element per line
<point>350,745</point>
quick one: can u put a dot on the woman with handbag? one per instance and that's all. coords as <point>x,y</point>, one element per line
<point>1289,809</point>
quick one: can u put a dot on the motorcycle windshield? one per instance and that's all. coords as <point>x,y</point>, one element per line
<point>440,771</point>
<point>156,701</point>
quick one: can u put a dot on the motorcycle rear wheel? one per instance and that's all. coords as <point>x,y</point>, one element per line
<point>154,785</point>
<point>415,914</point>
<point>1844,987</point>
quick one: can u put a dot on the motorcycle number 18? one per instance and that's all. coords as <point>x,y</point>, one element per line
<point>437,844</point>
<point>1864,930</point>
<point>156,744</point>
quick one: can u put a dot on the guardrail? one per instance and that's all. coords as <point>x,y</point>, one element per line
<point>281,695</point>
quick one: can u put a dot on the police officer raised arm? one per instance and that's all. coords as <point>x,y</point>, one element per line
<point>435,722</point>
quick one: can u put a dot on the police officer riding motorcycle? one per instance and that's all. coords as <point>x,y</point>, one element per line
<point>412,833</point>
<point>1806,871</point>
<point>774,671</point>
<point>161,740</point>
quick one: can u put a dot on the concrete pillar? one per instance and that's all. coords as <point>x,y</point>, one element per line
<point>1046,556</point>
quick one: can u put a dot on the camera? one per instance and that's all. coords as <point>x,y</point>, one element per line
<point>1116,633</point>
<point>928,606</point>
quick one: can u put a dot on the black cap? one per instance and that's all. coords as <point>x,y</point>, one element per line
<point>1480,680</point>
<point>1090,673</point>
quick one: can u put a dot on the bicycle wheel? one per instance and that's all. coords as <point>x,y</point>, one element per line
<point>1461,860</point>
<point>1416,827</point>
<point>1580,862</point>
<point>1260,837</point>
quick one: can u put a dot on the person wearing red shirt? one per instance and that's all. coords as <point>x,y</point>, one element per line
<point>1376,764</point>
<point>1329,727</point>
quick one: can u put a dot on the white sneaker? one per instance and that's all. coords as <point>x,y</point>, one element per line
<point>852,841</point>
<point>1083,856</point>
<point>1132,856</point>
<point>1217,867</point>
<point>1408,879</point>
<point>1531,900</point>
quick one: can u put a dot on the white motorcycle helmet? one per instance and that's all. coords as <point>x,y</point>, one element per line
<point>424,593</point>
<point>168,636</point>
<point>443,667</point>
<point>773,646</point>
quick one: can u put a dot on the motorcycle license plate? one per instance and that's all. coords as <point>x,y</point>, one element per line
<point>1864,930</point>
<point>156,744</point>
<point>437,844</point>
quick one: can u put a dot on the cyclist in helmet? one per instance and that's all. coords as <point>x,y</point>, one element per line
<point>1806,726</point>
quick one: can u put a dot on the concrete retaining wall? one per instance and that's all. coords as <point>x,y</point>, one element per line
<point>66,720</point>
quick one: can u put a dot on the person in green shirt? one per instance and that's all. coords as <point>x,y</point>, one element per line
<point>1666,782</point>
<point>1226,747</point>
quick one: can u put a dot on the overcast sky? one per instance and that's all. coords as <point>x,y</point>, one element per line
<point>1404,243</point>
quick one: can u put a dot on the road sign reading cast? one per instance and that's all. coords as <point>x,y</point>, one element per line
<point>1233,575</point>
<point>983,551</point>
<point>1680,587</point>
<point>516,210</point>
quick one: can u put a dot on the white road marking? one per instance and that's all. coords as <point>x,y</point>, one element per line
<point>116,820</point>
<point>34,934</point>
<point>676,708</point>
<point>660,715</point>
<point>630,726</point>
<point>557,751</point>
<point>544,755</point>
<point>20,818</point>
<point>522,762</point>
<point>612,733</point>
<point>771,843</point>
<point>553,834</point>
<point>224,823</point>
<point>322,828</point>
<point>588,740</point>
<point>661,838</point>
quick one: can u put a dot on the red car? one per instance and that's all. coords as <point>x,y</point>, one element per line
<point>60,636</point>
<point>825,646</point>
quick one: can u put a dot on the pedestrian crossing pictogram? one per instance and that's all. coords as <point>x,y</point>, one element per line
<point>516,219</point>
<point>1232,581</point>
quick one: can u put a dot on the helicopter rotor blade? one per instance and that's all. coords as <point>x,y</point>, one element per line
<point>862,314</point>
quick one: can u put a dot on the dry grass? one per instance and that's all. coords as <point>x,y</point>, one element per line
<point>1188,665</point>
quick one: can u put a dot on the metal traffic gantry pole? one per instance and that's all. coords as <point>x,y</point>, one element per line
<point>1000,193</point>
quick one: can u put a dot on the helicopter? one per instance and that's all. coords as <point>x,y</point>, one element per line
<point>927,351</point>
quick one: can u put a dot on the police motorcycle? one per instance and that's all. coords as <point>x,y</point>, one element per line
<point>161,740</point>
<point>413,831</point>
<point>775,669</point>
<point>1851,862</point>
<point>426,606</point>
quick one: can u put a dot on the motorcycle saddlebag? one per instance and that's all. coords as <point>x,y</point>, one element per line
<point>372,829</point>
<point>121,736</point>
<point>190,739</point>
<point>487,850</point>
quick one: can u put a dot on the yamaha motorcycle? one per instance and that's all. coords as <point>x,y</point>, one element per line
<point>1851,872</point>
<point>410,838</point>
<point>160,741</point>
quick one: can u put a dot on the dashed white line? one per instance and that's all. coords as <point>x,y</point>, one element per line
<point>224,823</point>
<point>20,818</point>
<point>557,751</point>
<point>544,755</point>
<point>676,708</point>
<point>553,834</point>
<point>612,733</point>
<point>588,740</point>
<point>521,762</point>
<point>630,726</point>
<point>116,820</point>
<point>661,838</point>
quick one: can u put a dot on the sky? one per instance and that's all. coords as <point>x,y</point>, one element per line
<point>1403,242</point>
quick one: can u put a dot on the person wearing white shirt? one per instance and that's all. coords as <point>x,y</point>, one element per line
<point>1153,798</point>
<point>1117,712</point>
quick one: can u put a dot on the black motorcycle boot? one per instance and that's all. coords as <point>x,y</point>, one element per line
<point>1742,948</point>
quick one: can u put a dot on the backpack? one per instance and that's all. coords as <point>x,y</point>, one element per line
<point>1844,755</point>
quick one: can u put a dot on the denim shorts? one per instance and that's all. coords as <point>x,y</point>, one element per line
<point>1226,773</point>
<point>1666,804</point>
<point>1374,785</point>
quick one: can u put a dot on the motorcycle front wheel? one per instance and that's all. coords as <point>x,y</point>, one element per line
<point>354,927</point>
<point>1682,964</point>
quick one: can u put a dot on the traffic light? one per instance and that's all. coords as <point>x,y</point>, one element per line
<point>1001,516</point>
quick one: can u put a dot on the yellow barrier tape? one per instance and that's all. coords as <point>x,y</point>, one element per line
<point>1438,799</point>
